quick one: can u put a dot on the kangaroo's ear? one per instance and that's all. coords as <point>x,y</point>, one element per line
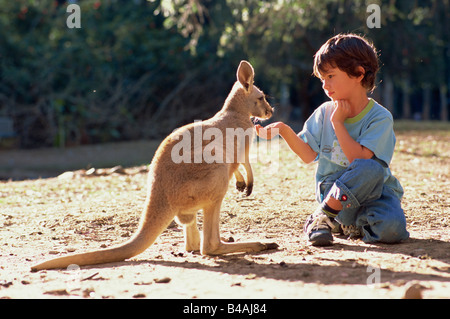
<point>245,75</point>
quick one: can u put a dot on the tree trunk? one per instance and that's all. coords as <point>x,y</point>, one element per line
<point>426,102</point>
<point>388,93</point>
<point>444,102</point>
<point>406,106</point>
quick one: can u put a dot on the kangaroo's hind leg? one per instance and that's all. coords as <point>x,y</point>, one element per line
<point>211,242</point>
<point>191,233</point>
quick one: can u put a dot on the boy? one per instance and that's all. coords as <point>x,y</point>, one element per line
<point>352,139</point>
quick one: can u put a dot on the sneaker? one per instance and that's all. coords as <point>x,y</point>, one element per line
<point>318,228</point>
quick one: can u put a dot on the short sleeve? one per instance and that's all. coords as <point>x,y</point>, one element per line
<point>312,130</point>
<point>379,137</point>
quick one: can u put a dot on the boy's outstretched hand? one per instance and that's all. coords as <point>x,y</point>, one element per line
<point>296,144</point>
<point>270,131</point>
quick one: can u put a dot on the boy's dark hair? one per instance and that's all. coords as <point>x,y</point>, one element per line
<point>347,52</point>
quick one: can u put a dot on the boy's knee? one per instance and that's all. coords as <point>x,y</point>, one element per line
<point>394,232</point>
<point>369,177</point>
<point>389,229</point>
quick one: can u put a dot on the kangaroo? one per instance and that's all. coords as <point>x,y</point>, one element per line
<point>179,189</point>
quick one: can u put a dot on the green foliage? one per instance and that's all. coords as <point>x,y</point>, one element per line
<point>98,83</point>
<point>138,69</point>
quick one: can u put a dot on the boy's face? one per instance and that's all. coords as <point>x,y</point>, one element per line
<point>338,85</point>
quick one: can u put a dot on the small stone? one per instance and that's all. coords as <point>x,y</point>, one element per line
<point>163,280</point>
<point>57,292</point>
<point>250,276</point>
<point>413,291</point>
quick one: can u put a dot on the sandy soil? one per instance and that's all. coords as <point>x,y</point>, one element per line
<point>85,210</point>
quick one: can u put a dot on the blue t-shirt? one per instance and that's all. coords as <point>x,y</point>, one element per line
<point>372,128</point>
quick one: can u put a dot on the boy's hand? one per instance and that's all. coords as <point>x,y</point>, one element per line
<point>270,131</point>
<point>341,111</point>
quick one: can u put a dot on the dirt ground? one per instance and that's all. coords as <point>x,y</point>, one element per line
<point>92,209</point>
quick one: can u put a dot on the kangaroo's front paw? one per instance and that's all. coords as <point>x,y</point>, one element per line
<point>240,186</point>
<point>249,190</point>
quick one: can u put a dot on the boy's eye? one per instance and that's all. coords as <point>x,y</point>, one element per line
<point>328,76</point>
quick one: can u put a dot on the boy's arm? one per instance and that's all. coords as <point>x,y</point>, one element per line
<point>296,144</point>
<point>351,148</point>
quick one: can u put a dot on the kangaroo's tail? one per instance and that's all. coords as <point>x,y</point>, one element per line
<point>152,224</point>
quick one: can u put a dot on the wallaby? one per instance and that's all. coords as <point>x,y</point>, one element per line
<point>179,189</point>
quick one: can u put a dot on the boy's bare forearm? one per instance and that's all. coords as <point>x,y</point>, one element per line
<point>297,145</point>
<point>351,148</point>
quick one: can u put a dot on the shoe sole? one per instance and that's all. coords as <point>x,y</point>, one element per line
<point>321,238</point>
<point>322,243</point>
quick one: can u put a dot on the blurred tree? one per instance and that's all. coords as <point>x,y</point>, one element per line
<point>138,69</point>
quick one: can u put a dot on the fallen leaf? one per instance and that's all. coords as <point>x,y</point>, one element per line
<point>57,292</point>
<point>163,280</point>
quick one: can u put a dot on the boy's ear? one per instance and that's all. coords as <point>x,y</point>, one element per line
<point>245,75</point>
<point>362,72</point>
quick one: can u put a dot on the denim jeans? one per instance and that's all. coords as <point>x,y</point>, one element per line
<point>367,202</point>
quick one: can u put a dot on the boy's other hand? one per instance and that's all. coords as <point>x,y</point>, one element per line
<point>341,111</point>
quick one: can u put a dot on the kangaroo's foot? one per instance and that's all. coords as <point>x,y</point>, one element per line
<point>223,248</point>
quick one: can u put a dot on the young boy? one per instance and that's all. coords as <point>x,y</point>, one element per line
<point>352,139</point>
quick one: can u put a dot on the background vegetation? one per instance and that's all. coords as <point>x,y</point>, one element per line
<point>138,69</point>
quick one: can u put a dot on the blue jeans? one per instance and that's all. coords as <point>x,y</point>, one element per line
<point>367,202</point>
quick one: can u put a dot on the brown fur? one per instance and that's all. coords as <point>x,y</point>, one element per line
<point>180,190</point>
